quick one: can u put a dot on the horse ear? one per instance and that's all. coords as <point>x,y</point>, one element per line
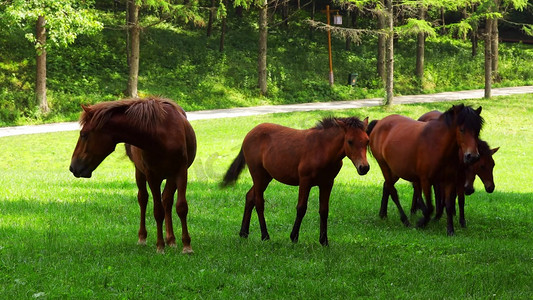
<point>478,111</point>
<point>85,108</point>
<point>492,151</point>
<point>365,121</point>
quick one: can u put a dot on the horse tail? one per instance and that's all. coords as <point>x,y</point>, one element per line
<point>371,126</point>
<point>234,170</point>
<point>128,151</point>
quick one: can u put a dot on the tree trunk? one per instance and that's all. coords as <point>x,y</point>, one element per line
<point>40,78</point>
<point>381,46</point>
<point>134,43</point>
<point>488,57</point>
<point>285,13</point>
<point>494,50</point>
<point>421,39</point>
<point>389,86</point>
<point>222,30</point>
<point>353,24</point>
<point>262,59</point>
<point>211,18</point>
<point>473,38</point>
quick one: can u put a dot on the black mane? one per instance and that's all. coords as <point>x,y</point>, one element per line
<point>330,122</point>
<point>483,148</point>
<point>464,116</point>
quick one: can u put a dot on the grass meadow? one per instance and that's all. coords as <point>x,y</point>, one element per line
<point>63,237</point>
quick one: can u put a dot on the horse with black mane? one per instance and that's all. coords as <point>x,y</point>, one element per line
<point>425,153</point>
<point>161,143</point>
<point>303,158</point>
<point>483,168</point>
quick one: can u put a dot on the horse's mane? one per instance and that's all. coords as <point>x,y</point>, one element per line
<point>143,113</point>
<point>330,122</point>
<point>467,116</point>
<point>483,148</point>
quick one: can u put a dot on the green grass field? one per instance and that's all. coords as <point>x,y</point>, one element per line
<point>62,237</point>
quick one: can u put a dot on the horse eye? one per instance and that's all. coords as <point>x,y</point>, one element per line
<point>350,142</point>
<point>84,135</point>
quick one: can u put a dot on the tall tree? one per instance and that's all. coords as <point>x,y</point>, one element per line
<point>262,57</point>
<point>40,75</point>
<point>167,10</point>
<point>133,45</point>
<point>389,83</point>
<point>65,20</point>
<point>420,46</point>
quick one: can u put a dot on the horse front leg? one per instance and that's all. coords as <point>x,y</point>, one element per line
<point>142,199</point>
<point>159,212</point>
<point>168,202</point>
<point>182,209</point>
<point>450,194</point>
<point>427,209</point>
<point>325,193</point>
<point>301,209</point>
<point>384,201</point>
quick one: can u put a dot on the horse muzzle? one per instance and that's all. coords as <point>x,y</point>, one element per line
<point>470,158</point>
<point>363,169</point>
<point>469,190</point>
<point>81,171</point>
<point>489,188</point>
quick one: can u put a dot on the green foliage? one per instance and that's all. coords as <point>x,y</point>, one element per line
<point>63,237</point>
<point>180,62</point>
<point>415,26</point>
<point>65,20</point>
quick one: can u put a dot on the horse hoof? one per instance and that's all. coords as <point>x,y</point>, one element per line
<point>265,238</point>
<point>422,223</point>
<point>141,242</point>
<point>451,233</point>
<point>172,244</point>
<point>243,235</point>
<point>463,223</point>
<point>160,250</point>
<point>187,250</point>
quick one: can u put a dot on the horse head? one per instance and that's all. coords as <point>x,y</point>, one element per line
<point>93,146</point>
<point>483,168</point>
<point>467,123</point>
<point>356,142</point>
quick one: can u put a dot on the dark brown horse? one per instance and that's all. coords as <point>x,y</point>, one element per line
<point>425,153</point>
<point>466,175</point>
<point>303,158</point>
<point>162,145</point>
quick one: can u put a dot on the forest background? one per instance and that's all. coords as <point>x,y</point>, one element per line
<point>56,55</point>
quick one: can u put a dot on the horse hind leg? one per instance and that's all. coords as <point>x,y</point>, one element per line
<point>142,199</point>
<point>182,209</point>
<point>248,207</point>
<point>168,202</point>
<point>394,196</point>
<point>159,212</point>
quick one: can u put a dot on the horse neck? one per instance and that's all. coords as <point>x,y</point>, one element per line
<point>332,140</point>
<point>447,139</point>
<point>123,132</point>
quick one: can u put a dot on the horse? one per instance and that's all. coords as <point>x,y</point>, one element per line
<point>160,142</point>
<point>424,153</point>
<point>465,177</point>
<point>304,158</point>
